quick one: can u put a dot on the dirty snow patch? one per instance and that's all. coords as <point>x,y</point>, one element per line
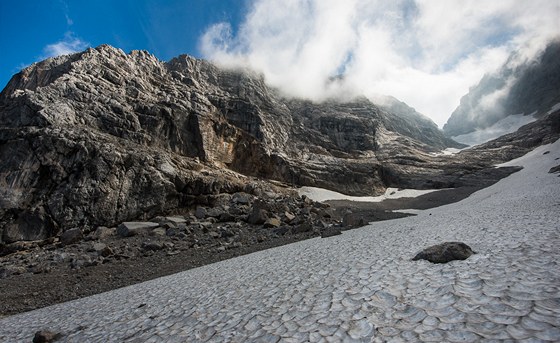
<point>446,152</point>
<point>321,194</point>
<point>554,108</point>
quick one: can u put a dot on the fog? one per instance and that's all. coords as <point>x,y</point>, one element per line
<point>425,53</point>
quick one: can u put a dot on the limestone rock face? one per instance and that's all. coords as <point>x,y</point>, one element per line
<point>102,137</point>
<point>405,120</point>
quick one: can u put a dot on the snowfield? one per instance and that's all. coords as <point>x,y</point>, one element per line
<point>360,286</point>
<point>321,194</point>
<point>446,152</point>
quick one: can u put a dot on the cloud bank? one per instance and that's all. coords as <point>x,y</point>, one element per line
<point>424,52</point>
<point>69,45</point>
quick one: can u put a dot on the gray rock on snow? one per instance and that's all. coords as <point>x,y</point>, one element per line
<point>445,252</point>
<point>46,336</point>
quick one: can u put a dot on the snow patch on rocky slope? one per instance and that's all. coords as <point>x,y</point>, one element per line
<point>504,126</point>
<point>321,194</point>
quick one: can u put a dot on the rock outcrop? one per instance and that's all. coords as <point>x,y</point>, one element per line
<point>102,137</point>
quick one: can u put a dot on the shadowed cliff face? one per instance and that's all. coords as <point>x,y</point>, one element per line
<point>527,88</point>
<point>100,137</point>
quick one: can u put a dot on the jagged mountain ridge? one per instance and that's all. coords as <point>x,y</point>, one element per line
<point>101,137</point>
<point>531,87</point>
<point>404,117</point>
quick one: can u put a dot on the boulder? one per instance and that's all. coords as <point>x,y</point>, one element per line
<point>200,212</point>
<point>102,249</point>
<point>258,216</point>
<point>226,217</point>
<point>324,212</point>
<point>83,260</point>
<point>152,246</point>
<point>103,232</point>
<point>175,219</point>
<point>215,212</point>
<point>241,198</point>
<point>330,231</point>
<point>29,225</point>
<point>227,232</point>
<point>205,226</point>
<point>6,249</point>
<point>71,236</point>
<point>128,229</point>
<point>159,231</point>
<point>9,270</point>
<point>445,252</point>
<point>171,232</point>
<point>353,220</point>
<point>214,234</point>
<point>306,200</point>
<point>281,231</point>
<point>168,225</point>
<point>272,222</point>
<point>289,216</point>
<point>46,336</point>
<point>303,227</point>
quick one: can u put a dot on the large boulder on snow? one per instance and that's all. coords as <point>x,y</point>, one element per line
<point>445,252</point>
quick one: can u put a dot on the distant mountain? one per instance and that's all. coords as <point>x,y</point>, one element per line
<point>407,121</point>
<point>528,88</point>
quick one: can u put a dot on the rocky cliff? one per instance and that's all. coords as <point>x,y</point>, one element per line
<point>527,87</point>
<point>100,137</point>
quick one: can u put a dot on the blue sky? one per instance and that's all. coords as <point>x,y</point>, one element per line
<point>33,30</point>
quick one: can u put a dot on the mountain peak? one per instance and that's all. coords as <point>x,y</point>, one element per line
<point>101,137</point>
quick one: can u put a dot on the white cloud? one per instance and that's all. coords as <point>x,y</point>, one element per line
<point>426,53</point>
<point>493,100</point>
<point>69,20</point>
<point>69,45</point>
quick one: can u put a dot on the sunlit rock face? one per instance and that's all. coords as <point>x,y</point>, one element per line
<point>101,137</point>
<point>530,88</point>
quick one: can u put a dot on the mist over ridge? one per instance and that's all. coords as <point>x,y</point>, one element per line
<point>519,88</point>
<point>427,54</point>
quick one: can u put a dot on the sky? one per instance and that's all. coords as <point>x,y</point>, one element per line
<point>32,30</point>
<point>426,53</point>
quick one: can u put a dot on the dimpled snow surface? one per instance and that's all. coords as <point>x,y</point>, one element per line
<point>360,286</point>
